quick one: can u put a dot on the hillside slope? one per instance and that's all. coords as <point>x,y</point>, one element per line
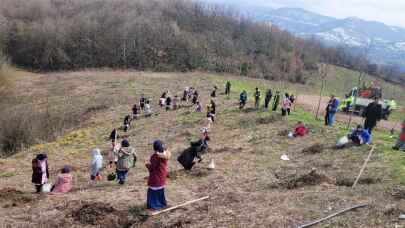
<point>251,186</point>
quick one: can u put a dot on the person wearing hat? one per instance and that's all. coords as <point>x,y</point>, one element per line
<point>126,160</point>
<point>40,171</point>
<point>64,181</point>
<point>157,167</point>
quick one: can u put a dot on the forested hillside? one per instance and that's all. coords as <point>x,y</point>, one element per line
<point>172,35</point>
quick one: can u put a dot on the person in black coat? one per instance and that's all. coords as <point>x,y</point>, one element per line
<point>372,114</point>
<point>196,149</point>
<point>267,99</point>
<point>276,101</point>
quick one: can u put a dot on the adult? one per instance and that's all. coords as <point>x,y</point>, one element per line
<point>372,114</point>
<point>175,102</point>
<point>198,107</point>
<point>257,98</point>
<point>242,99</point>
<point>276,101</point>
<point>126,160</point>
<point>64,182</point>
<point>157,167</point>
<point>400,145</point>
<point>40,171</point>
<point>292,98</point>
<point>286,105</point>
<point>95,165</point>
<point>267,99</point>
<point>331,110</point>
<point>228,88</point>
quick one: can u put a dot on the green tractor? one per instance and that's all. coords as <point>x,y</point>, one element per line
<point>358,99</point>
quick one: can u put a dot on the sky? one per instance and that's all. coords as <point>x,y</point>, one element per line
<point>390,12</point>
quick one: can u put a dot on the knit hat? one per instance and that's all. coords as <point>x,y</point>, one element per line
<point>66,169</point>
<point>41,157</point>
<point>158,146</point>
<point>125,143</point>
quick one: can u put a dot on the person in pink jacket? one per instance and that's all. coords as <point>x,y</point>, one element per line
<point>64,182</point>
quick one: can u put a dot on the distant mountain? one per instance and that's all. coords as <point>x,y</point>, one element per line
<point>386,44</point>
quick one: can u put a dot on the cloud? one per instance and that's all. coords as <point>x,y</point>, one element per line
<point>390,12</point>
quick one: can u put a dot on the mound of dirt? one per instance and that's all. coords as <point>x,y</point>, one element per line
<point>226,149</point>
<point>283,132</point>
<point>10,197</point>
<point>348,182</point>
<point>398,193</point>
<point>309,179</point>
<point>268,119</point>
<point>314,149</point>
<point>100,214</point>
<point>195,172</point>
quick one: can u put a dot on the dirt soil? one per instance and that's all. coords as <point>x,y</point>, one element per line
<point>310,103</point>
<point>251,187</point>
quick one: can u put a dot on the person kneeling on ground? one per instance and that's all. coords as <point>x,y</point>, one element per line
<point>400,145</point>
<point>64,182</point>
<point>196,149</point>
<point>300,130</point>
<point>357,137</point>
<point>40,171</point>
<point>126,160</point>
<point>157,167</point>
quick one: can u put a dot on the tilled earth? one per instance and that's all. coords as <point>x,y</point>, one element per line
<point>250,186</point>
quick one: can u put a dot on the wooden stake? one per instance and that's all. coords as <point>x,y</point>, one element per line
<point>180,205</point>
<point>364,166</point>
<point>332,215</point>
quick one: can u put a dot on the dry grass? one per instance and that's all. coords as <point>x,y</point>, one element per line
<point>245,146</point>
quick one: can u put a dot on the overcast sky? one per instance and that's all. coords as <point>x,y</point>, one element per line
<point>391,12</point>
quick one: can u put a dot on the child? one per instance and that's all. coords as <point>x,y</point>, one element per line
<point>242,99</point>
<point>148,109</point>
<point>286,105</point>
<point>360,136</point>
<point>300,130</point>
<point>40,171</point>
<point>400,145</point>
<point>135,111</point>
<point>127,122</point>
<point>95,165</point>
<point>113,136</point>
<point>175,102</point>
<point>157,167</point>
<point>64,182</point>
<point>195,97</point>
<point>199,107</point>
<point>142,102</point>
<point>257,98</point>
<point>168,103</point>
<point>126,160</point>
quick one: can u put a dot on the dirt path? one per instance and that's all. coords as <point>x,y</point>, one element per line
<point>310,103</point>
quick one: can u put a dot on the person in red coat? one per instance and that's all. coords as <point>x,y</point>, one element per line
<point>157,166</point>
<point>400,145</point>
<point>300,130</point>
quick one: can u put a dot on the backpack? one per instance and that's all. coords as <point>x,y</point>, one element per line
<point>126,161</point>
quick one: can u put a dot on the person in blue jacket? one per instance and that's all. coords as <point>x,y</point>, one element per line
<point>331,110</point>
<point>242,99</point>
<point>360,136</point>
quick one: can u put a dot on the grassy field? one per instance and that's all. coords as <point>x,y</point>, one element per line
<point>250,187</point>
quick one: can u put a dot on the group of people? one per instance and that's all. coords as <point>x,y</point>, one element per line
<point>124,157</point>
<point>286,102</point>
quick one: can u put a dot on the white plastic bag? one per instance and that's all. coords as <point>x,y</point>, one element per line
<point>284,157</point>
<point>46,188</point>
<point>290,135</point>
<point>342,142</point>
<point>211,165</point>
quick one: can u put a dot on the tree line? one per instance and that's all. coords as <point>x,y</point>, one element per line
<point>158,35</point>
